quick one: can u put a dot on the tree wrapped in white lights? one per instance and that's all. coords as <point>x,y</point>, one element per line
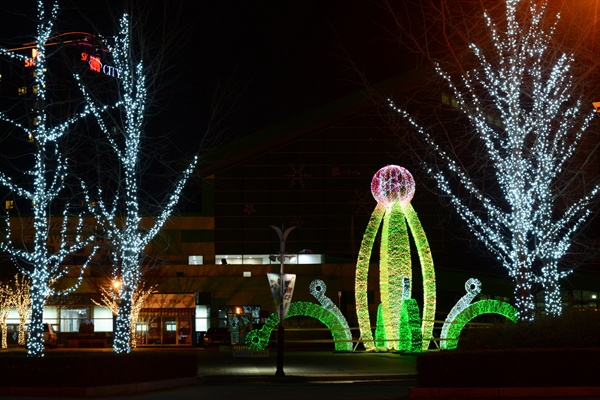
<point>6,304</point>
<point>519,103</point>
<point>22,303</point>
<point>46,178</point>
<point>109,298</point>
<point>126,233</point>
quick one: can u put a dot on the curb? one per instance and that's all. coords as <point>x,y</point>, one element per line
<point>98,391</point>
<point>242,379</point>
<point>502,392</point>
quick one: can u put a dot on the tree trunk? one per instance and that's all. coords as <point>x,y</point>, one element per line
<point>524,298</point>
<point>4,334</point>
<point>35,342</point>
<point>121,342</point>
<point>552,299</point>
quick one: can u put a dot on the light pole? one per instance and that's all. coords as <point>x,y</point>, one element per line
<point>282,237</point>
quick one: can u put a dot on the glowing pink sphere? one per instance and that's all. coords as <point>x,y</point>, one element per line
<point>393,184</point>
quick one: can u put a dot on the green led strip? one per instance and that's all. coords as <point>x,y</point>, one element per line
<point>409,335</point>
<point>259,339</point>
<point>474,310</point>
<point>427,271</point>
<point>362,276</point>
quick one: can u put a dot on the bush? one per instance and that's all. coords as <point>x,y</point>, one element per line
<point>572,329</point>
<point>509,368</point>
<point>562,351</point>
<point>81,369</point>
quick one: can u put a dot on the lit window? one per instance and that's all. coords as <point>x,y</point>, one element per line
<point>195,260</point>
<point>170,326</point>
<point>9,204</point>
<point>22,90</point>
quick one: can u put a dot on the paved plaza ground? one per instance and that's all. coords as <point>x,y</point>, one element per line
<point>225,374</point>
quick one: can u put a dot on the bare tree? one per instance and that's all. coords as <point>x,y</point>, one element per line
<point>22,303</point>
<point>6,304</point>
<point>520,102</point>
<point>42,184</point>
<point>121,216</point>
<point>109,298</point>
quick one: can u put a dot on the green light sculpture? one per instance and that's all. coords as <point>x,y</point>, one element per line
<point>393,188</point>
<point>410,338</point>
<point>259,339</point>
<point>474,310</point>
<point>317,289</point>
<point>380,338</point>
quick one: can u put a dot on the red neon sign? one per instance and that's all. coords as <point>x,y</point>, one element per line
<point>96,65</point>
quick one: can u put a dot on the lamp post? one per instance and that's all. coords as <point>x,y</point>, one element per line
<point>282,237</point>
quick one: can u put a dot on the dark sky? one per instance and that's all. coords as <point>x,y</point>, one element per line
<point>284,57</point>
<point>273,59</point>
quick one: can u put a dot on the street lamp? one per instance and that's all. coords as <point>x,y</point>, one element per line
<point>282,237</point>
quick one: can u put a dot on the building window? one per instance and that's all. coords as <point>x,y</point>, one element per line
<point>195,260</point>
<point>73,318</point>
<point>9,204</point>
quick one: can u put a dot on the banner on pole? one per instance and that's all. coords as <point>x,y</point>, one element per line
<point>288,291</point>
<point>274,282</point>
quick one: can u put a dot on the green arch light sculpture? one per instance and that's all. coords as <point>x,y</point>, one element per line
<point>393,188</point>
<point>259,339</point>
<point>474,310</point>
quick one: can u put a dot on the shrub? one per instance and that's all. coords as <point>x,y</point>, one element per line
<point>563,351</point>
<point>572,329</point>
<point>80,369</point>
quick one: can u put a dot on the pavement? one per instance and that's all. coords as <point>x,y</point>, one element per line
<point>228,368</point>
<point>214,366</point>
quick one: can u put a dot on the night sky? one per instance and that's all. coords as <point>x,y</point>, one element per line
<point>267,60</point>
<point>273,59</point>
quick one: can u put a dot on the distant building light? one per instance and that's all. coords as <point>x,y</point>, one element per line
<point>195,260</point>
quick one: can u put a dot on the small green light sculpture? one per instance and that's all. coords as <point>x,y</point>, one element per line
<point>327,313</point>
<point>474,310</point>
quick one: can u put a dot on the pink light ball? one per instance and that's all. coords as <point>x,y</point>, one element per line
<point>393,184</point>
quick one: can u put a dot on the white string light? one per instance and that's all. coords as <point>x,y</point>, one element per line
<point>125,233</point>
<point>43,265</point>
<point>527,153</point>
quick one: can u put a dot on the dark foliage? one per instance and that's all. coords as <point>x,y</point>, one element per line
<point>509,368</point>
<point>82,369</point>
<point>572,329</point>
<point>561,351</point>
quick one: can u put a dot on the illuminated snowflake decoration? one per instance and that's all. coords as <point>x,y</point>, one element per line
<point>361,203</point>
<point>249,209</point>
<point>297,175</point>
